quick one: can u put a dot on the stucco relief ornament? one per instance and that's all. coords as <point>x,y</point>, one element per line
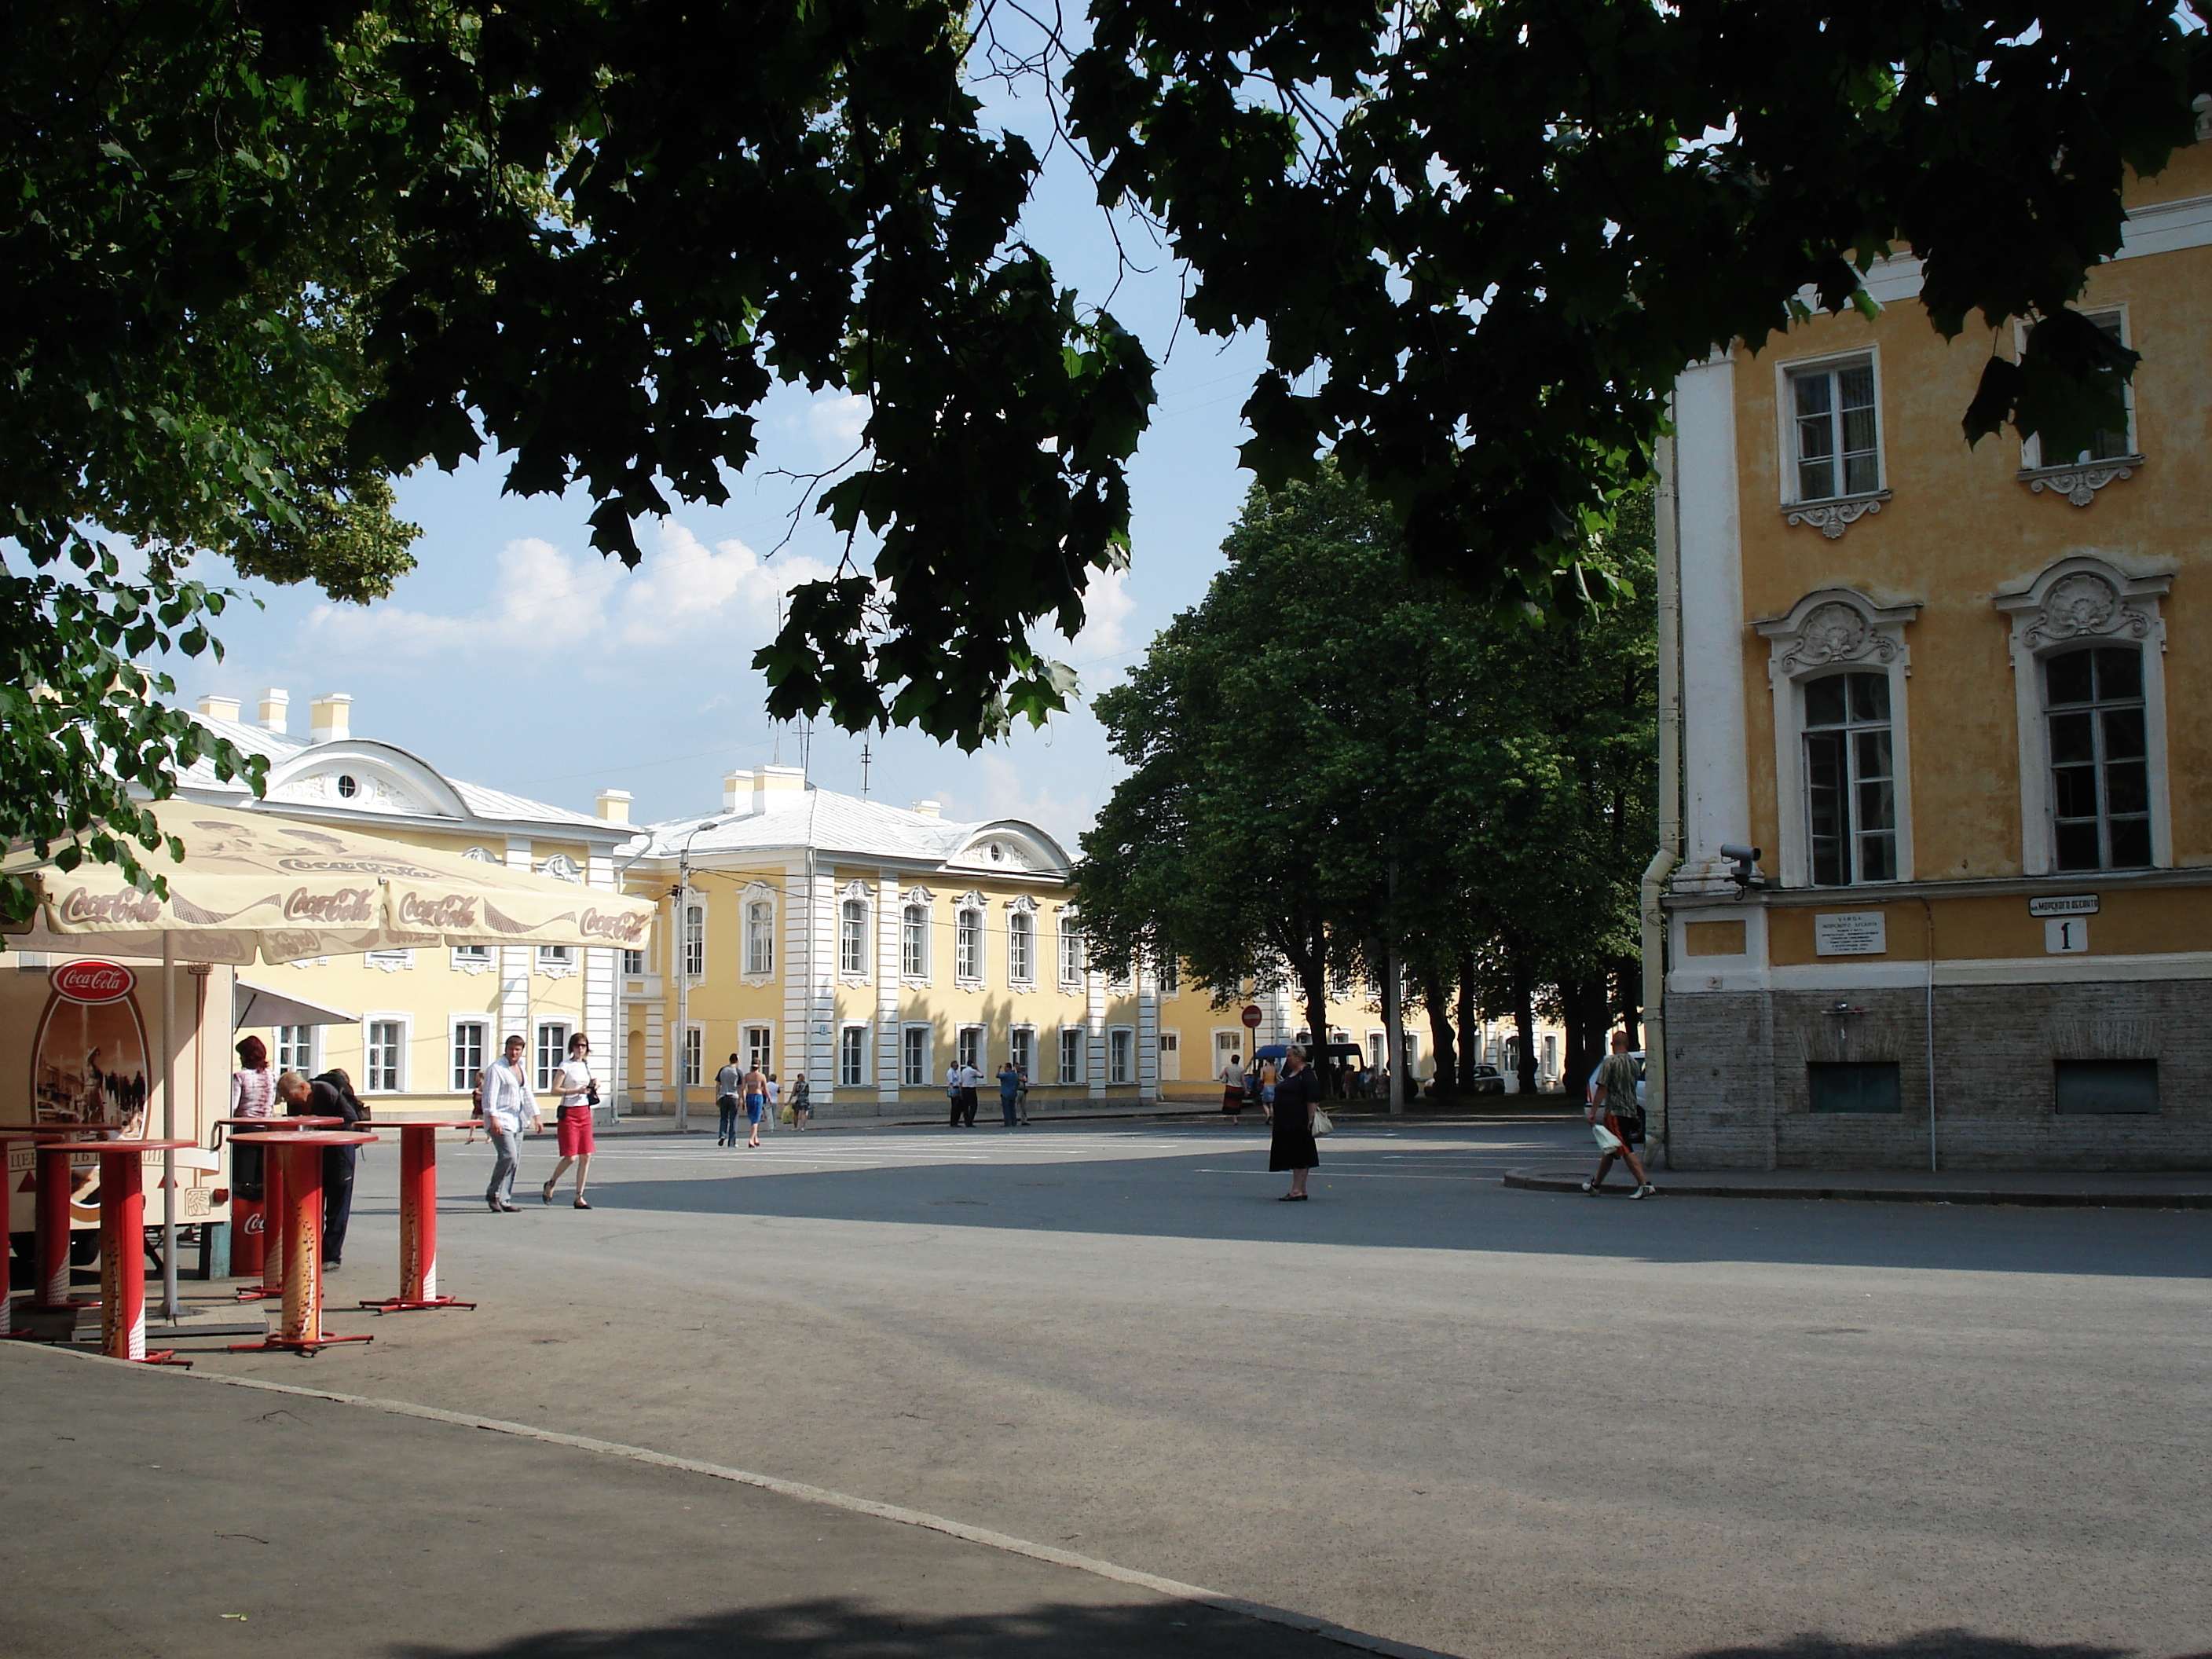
<point>1831,518</point>
<point>2079,485</point>
<point>1835,632</point>
<point>2084,606</point>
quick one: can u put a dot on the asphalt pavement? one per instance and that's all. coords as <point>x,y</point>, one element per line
<point>1422,1405</point>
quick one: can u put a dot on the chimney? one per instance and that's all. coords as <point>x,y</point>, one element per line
<point>331,717</point>
<point>778,786</point>
<point>219,708</point>
<point>275,708</point>
<point>929,809</point>
<point>736,791</point>
<point>614,805</point>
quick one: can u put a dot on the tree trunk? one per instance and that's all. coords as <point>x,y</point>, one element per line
<point>1434,992</point>
<point>1470,1042</point>
<point>1524,1026</point>
<point>1583,1002</point>
<point>1628,998</point>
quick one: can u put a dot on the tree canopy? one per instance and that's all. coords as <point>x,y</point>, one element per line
<point>258,258</point>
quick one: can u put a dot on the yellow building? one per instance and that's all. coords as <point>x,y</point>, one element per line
<point>1962,700</point>
<point>869,947</point>
<point>426,1020</point>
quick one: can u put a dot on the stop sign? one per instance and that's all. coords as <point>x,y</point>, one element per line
<point>1252,1016</point>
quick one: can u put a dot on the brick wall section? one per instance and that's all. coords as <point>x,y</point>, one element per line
<point>1737,1092</point>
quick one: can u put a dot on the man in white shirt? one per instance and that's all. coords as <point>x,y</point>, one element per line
<point>960,1082</point>
<point>508,1102</point>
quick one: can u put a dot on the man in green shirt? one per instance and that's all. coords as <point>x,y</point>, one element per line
<point>1612,1109</point>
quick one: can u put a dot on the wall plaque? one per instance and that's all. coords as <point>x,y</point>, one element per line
<point>2071,904</point>
<point>1850,933</point>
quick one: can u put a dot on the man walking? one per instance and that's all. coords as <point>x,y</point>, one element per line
<point>1612,1113</point>
<point>506,1102</point>
<point>1010,1091</point>
<point>726,1103</point>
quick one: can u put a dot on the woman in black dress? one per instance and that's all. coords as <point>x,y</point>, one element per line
<point>1297,1095</point>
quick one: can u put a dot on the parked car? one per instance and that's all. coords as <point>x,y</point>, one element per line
<point>1488,1081</point>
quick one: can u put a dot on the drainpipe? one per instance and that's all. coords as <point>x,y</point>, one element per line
<point>1667,547</point>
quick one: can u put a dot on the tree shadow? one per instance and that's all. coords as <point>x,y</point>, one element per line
<point>1921,1644</point>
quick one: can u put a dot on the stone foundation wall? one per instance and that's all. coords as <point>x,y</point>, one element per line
<point>1738,1095</point>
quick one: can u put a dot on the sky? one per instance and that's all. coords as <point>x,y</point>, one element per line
<point>516,656</point>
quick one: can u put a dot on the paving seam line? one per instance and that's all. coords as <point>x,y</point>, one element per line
<point>1359,1640</point>
<point>2024,1199</point>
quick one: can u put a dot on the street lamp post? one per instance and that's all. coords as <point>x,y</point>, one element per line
<point>683,954</point>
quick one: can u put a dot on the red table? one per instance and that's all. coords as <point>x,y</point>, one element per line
<point>301,1156</point>
<point>55,1148</point>
<point>266,1255</point>
<point>418,1221</point>
<point>123,1249</point>
<point>8,1140</point>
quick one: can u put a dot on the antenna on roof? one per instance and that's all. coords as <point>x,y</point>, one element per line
<point>806,745</point>
<point>865,756</point>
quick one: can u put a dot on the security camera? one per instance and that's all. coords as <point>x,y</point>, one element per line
<point>1743,875</point>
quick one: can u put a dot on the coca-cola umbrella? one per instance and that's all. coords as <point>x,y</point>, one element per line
<point>257,887</point>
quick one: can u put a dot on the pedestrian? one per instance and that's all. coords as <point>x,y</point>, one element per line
<point>1267,1089</point>
<point>755,1086</point>
<point>802,1099</point>
<point>775,1099</point>
<point>1022,1098</point>
<point>1010,1091</point>
<point>1232,1090</point>
<point>1296,1097</point>
<point>580,1091</point>
<point>726,1103</point>
<point>952,1093</point>
<point>960,1083</point>
<point>329,1095</point>
<point>252,1094</point>
<point>1611,1114</point>
<point>507,1103</point>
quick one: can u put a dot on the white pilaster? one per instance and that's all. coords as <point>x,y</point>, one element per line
<point>600,1005</point>
<point>515,963</point>
<point>1094,1028</point>
<point>888,922</point>
<point>1148,1035</point>
<point>1717,790</point>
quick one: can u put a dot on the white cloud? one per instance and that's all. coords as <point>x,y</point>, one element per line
<point>836,419</point>
<point>684,595</point>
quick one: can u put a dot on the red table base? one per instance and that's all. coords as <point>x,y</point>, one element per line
<point>123,1251</point>
<point>301,1157</point>
<point>269,1241</point>
<point>419,1223</point>
<point>51,1293</point>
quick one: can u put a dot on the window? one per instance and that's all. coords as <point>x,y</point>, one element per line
<point>694,1045</point>
<point>2104,446</point>
<point>914,1055</point>
<point>552,958</point>
<point>695,941</point>
<point>389,959</point>
<point>1853,1085</point>
<point>760,1048</point>
<point>1071,953</point>
<point>632,963</point>
<point>2103,1087</point>
<point>1851,782</point>
<point>2099,758</point>
<point>386,1041</point>
<point>968,946</point>
<point>914,942</point>
<point>1021,1049</point>
<point>1021,936</point>
<point>1120,1050</point>
<point>852,1048</point>
<point>552,1049</point>
<point>1838,449</point>
<point>970,1051</point>
<point>759,937</point>
<point>853,937</point>
<point>1071,1054</point>
<point>471,956</point>
<point>468,1054</point>
<point>296,1048</point>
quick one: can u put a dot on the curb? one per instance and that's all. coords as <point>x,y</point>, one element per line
<point>1359,1641</point>
<point>1548,1181</point>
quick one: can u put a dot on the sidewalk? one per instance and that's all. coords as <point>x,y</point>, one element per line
<point>2092,1189</point>
<point>159,1513</point>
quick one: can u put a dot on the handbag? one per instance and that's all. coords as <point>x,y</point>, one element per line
<point>1323,1124</point>
<point>788,1114</point>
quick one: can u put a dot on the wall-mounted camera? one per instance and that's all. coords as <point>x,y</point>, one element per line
<point>1745,877</point>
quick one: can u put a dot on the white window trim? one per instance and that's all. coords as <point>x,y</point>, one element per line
<point>553,967</point>
<point>468,964</point>
<point>561,1022</point>
<point>390,961</point>
<point>1830,514</point>
<point>857,892</point>
<point>1017,1029</point>
<point>1832,629</point>
<point>1066,923</point>
<point>691,1028</point>
<point>314,1061</point>
<point>758,892</point>
<point>682,943</point>
<point>1082,1034</point>
<point>921,899</point>
<point>406,1024</point>
<point>2058,477</point>
<point>744,1045</point>
<point>976,905</point>
<point>2085,600</point>
<point>1135,1065</point>
<point>982,1043</point>
<point>929,1052</point>
<point>866,1050</point>
<point>1026,907</point>
<point>453,1024</point>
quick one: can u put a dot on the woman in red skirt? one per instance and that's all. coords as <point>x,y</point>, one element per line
<point>579,1091</point>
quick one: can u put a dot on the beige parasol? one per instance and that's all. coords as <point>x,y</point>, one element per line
<point>257,887</point>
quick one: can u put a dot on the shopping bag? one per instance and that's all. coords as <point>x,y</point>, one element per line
<point>787,1115</point>
<point>1323,1124</point>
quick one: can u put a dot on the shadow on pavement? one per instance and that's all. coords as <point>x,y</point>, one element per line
<point>1438,1198</point>
<point>1923,1644</point>
<point>843,1628</point>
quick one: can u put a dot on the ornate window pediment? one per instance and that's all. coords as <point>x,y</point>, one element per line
<point>1834,627</point>
<point>2083,598</point>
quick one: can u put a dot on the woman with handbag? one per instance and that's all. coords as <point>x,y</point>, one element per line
<point>580,1091</point>
<point>1290,1146</point>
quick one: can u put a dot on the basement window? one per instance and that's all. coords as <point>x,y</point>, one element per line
<point>2097,1088</point>
<point>1854,1085</point>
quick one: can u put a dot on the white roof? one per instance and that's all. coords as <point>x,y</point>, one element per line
<point>811,817</point>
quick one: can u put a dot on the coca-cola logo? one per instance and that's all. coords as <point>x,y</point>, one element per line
<point>438,914</point>
<point>79,906</point>
<point>344,905</point>
<point>597,924</point>
<point>93,981</point>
